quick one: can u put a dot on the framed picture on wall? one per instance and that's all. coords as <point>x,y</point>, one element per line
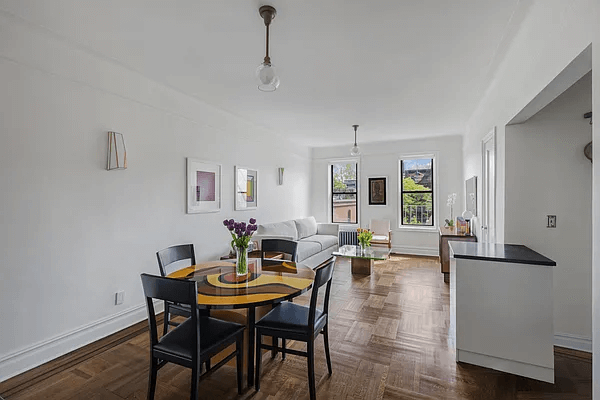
<point>246,188</point>
<point>203,186</point>
<point>378,191</point>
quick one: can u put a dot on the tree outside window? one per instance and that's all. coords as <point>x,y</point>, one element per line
<point>416,191</point>
<point>344,199</point>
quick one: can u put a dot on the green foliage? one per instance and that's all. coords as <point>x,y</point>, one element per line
<point>341,174</point>
<point>365,236</point>
<point>414,199</point>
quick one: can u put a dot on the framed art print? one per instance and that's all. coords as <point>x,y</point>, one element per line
<point>378,191</point>
<point>203,186</point>
<point>246,188</point>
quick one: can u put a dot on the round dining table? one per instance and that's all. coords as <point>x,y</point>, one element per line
<point>267,282</point>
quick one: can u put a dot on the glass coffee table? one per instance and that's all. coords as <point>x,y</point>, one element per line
<point>362,260</point>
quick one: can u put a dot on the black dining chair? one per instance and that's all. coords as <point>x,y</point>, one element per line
<point>278,246</point>
<point>284,246</point>
<point>301,323</point>
<point>165,258</point>
<point>192,342</point>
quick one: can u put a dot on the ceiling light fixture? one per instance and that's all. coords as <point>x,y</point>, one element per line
<point>355,150</point>
<point>269,81</point>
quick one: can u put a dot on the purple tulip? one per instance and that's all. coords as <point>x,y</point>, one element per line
<point>231,221</point>
<point>226,222</point>
<point>249,230</point>
<point>236,225</point>
<point>252,221</point>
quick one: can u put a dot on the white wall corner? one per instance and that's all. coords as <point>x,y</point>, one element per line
<point>574,342</point>
<point>30,357</point>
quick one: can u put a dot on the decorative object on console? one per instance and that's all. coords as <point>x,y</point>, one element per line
<point>246,186</point>
<point>587,150</point>
<point>203,186</point>
<point>471,195</point>
<point>280,176</point>
<point>117,154</point>
<point>241,234</point>
<point>364,238</point>
<point>450,203</point>
<point>378,191</point>
<point>355,151</point>
<point>269,81</point>
<point>468,216</point>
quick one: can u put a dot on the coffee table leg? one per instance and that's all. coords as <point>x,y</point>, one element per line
<point>362,266</point>
<point>251,344</point>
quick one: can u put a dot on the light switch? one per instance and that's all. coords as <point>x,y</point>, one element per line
<point>551,221</point>
<point>119,298</point>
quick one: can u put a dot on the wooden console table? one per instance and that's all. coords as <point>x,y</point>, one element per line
<point>447,234</point>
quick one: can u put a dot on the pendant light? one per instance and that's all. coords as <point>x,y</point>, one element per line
<point>355,150</point>
<point>269,81</point>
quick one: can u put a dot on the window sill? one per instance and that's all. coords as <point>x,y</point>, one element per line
<point>428,229</point>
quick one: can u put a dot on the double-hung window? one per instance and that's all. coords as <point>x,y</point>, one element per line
<point>344,192</point>
<point>416,191</point>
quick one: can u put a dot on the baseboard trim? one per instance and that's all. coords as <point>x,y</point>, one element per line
<point>416,250</point>
<point>40,353</point>
<point>574,342</point>
<point>538,372</point>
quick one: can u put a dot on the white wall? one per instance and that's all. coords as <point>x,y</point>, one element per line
<point>381,159</point>
<point>553,34</point>
<point>73,233</point>
<point>547,174</point>
<point>596,207</point>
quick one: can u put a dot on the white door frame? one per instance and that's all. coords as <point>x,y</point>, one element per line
<point>488,187</point>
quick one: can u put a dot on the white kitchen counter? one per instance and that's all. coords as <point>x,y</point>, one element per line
<point>501,308</point>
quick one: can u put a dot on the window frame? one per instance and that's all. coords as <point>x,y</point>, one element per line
<point>331,192</point>
<point>434,192</point>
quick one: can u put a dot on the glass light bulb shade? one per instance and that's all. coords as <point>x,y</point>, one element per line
<point>467,215</point>
<point>355,151</point>
<point>269,81</point>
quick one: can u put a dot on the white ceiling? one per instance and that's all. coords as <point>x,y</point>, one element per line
<point>399,68</point>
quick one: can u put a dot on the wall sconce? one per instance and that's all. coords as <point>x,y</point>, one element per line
<point>280,176</point>
<point>117,154</point>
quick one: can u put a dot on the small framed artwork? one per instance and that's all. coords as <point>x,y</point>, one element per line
<point>378,191</point>
<point>203,186</point>
<point>246,188</point>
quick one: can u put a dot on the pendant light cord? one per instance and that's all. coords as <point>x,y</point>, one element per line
<point>267,24</point>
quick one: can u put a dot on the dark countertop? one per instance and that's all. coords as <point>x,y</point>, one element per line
<point>509,253</point>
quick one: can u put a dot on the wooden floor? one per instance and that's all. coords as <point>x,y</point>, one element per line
<point>389,340</point>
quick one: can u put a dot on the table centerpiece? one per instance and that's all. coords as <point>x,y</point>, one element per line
<point>241,234</point>
<point>364,238</point>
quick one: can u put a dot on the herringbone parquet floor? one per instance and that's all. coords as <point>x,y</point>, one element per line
<point>389,340</point>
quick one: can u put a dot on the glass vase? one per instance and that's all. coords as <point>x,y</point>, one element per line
<point>241,262</point>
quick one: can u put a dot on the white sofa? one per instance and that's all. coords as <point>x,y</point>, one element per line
<point>316,241</point>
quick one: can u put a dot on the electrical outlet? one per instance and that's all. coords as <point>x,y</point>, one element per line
<point>119,298</point>
<point>551,221</point>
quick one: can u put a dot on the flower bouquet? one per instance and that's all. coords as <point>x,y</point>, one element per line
<point>241,234</point>
<point>364,237</point>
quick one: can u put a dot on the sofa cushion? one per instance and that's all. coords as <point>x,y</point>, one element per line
<point>306,227</point>
<point>286,228</point>
<point>325,241</point>
<point>381,238</point>
<point>307,249</point>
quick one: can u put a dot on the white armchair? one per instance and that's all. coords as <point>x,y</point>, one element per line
<point>382,234</point>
